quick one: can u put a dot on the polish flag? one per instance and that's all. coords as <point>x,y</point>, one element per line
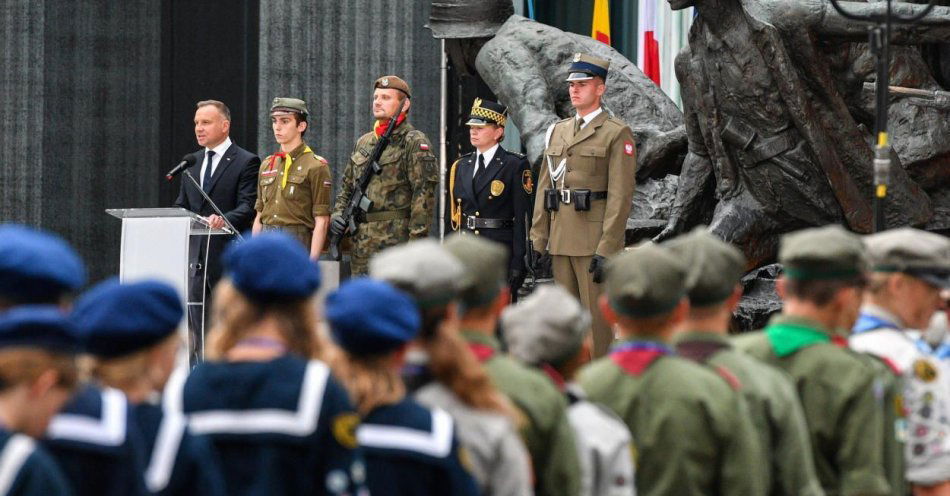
<point>600,27</point>
<point>648,50</point>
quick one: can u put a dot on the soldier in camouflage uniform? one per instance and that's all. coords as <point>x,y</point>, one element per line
<point>403,195</point>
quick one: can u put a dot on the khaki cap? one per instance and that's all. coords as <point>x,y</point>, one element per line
<point>393,82</point>
<point>284,106</point>
<point>421,268</point>
<point>822,253</point>
<point>486,265</point>
<point>645,282</point>
<point>546,327</point>
<point>714,267</point>
<point>584,67</point>
<point>918,253</point>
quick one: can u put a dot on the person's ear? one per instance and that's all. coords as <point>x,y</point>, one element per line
<point>610,316</point>
<point>733,300</point>
<point>502,300</point>
<point>780,287</point>
<point>679,313</point>
<point>301,126</point>
<point>226,125</point>
<point>44,383</point>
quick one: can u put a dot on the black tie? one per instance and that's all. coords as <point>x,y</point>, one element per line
<point>480,168</point>
<point>206,179</point>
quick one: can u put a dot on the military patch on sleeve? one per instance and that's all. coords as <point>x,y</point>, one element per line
<point>344,429</point>
<point>424,147</point>
<point>628,148</point>
<point>526,182</point>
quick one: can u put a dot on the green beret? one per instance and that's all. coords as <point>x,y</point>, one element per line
<point>822,253</point>
<point>486,265</point>
<point>645,282</point>
<point>283,106</point>
<point>918,253</point>
<point>714,267</point>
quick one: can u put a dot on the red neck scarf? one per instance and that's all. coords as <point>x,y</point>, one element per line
<point>382,125</point>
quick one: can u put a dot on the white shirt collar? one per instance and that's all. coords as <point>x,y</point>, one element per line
<point>221,148</point>
<point>589,117</point>
<point>882,313</point>
<point>489,154</point>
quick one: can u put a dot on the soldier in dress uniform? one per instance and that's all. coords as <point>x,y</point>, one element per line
<point>37,375</point>
<point>294,185</point>
<point>585,191</point>
<point>691,428</point>
<point>131,331</point>
<point>410,450</point>
<point>490,189</point>
<point>403,194</point>
<point>714,292</point>
<point>37,267</point>
<point>278,419</point>
<point>843,399</point>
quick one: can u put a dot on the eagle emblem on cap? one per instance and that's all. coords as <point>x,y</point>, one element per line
<point>385,82</point>
<point>577,57</point>
<point>478,103</point>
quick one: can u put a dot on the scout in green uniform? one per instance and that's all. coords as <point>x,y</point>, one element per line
<point>403,195</point>
<point>547,432</point>
<point>294,185</point>
<point>691,428</point>
<point>585,191</point>
<point>842,398</point>
<point>713,284</point>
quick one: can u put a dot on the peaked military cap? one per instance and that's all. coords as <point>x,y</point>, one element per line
<point>36,266</point>
<point>485,264</point>
<point>714,267</point>
<point>422,268</point>
<point>919,253</point>
<point>645,282</point>
<point>117,319</point>
<point>286,106</point>
<point>822,253</point>
<point>586,67</point>
<point>485,112</point>
<point>272,267</point>
<point>369,317</point>
<point>38,326</point>
<point>546,327</point>
<point>393,82</point>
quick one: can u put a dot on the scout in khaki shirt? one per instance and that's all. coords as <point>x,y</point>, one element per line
<point>585,191</point>
<point>294,185</point>
<point>714,291</point>
<point>691,428</point>
<point>842,397</point>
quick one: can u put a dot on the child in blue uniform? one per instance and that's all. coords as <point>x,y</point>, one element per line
<point>279,421</point>
<point>37,375</point>
<point>410,449</point>
<point>130,330</point>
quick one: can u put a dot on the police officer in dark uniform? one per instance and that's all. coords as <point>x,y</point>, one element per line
<point>490,189</point>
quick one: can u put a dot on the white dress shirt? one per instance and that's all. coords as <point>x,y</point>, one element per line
<point>589,117</point>
<point>489,154</point>
<point>215,160</point>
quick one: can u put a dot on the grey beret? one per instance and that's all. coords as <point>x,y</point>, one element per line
<point>423,269</point>
<point>546,327</point>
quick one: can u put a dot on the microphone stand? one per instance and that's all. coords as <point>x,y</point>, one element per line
<point>217,210</point>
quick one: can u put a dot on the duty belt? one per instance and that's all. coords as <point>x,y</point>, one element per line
<point>568,195</point>
<point>472,223</point>
<point>402,213</point>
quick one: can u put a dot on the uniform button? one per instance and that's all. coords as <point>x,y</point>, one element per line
<point>477,214</point>
<point>476,232</point>
<point>570,154</point>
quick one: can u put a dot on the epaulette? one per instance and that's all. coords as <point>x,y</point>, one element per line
<point>518,154</point>
<point>321,159</point>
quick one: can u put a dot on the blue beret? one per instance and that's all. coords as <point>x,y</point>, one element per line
<point>271,267</point>
<point>371,317</point>
<point>37,267</point>
<point>117,319</point>
<point>38,326</point>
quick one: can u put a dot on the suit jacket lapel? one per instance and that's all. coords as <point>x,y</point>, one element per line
<point>494,168</point>
<point>589,129</point>
<point>464,175</point>
<point>222,165</point>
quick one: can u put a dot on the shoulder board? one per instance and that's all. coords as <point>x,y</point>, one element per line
<point>320,159</point>
<point>730,378</point>
<point>469,154</point>
<point>518,154</point>
<point>436,443</point>
<point>14,455</point>
<point>109,429</point>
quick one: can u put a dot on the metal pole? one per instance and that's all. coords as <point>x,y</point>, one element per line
<point>443,146</point>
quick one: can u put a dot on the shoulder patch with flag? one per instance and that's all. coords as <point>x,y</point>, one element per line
<point>424,147</point>
<point>628,148</point>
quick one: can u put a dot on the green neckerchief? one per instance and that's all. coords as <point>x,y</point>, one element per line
<point>714,337</point>
<point>790,334</point>
<point>479,338</point>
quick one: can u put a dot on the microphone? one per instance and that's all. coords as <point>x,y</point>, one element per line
<point>185,163</point>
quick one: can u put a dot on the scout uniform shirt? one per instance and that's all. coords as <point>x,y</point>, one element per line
<point>547,433</point>
<point>292,193</point>
<point>843,404</point>
<point>28,470</point>
<point>775,411</point>
<point>691,431</point>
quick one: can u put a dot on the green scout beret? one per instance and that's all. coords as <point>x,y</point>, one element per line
<point>822,253</point>
<point>919,253</point>
<point>485,265</point>
<point>645,282</point>
<point>284,106</point>
<point>546,327</point>
<point>584,67</point>
<point>714,267</point>
<point>422,268</point>
<point>393,82</point>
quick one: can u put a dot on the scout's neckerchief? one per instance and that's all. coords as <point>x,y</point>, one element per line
<point>635,356</point>
<point>788,337</point>
<point>287,161</point>
<point>456,209</point>
<point>868,322</point>
<point>380,126</point>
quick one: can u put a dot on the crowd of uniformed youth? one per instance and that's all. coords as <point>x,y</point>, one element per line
<point>420,376</point>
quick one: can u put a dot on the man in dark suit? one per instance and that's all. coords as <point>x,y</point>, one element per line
<point>490,189</point>
<point>228,174</point>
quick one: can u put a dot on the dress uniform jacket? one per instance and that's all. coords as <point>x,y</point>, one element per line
<point>601,158</point>
<point>691,431</point>
<point>280,427</point>
<point>411,450</point>
<point>842,400</point>
<point>26,469</point>
<point>292,202</point>
<point>96,442</point>
<point>503,191</point>
<point>177,463</point>
<point>547,433</point>
<point>775,411</point>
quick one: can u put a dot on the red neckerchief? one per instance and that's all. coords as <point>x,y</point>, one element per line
<point>482,352</point>
<point>383,125</point>
<point>839,341</point>
<point>555,376</point>
<point>274,157</point>
<point>635,356</point>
